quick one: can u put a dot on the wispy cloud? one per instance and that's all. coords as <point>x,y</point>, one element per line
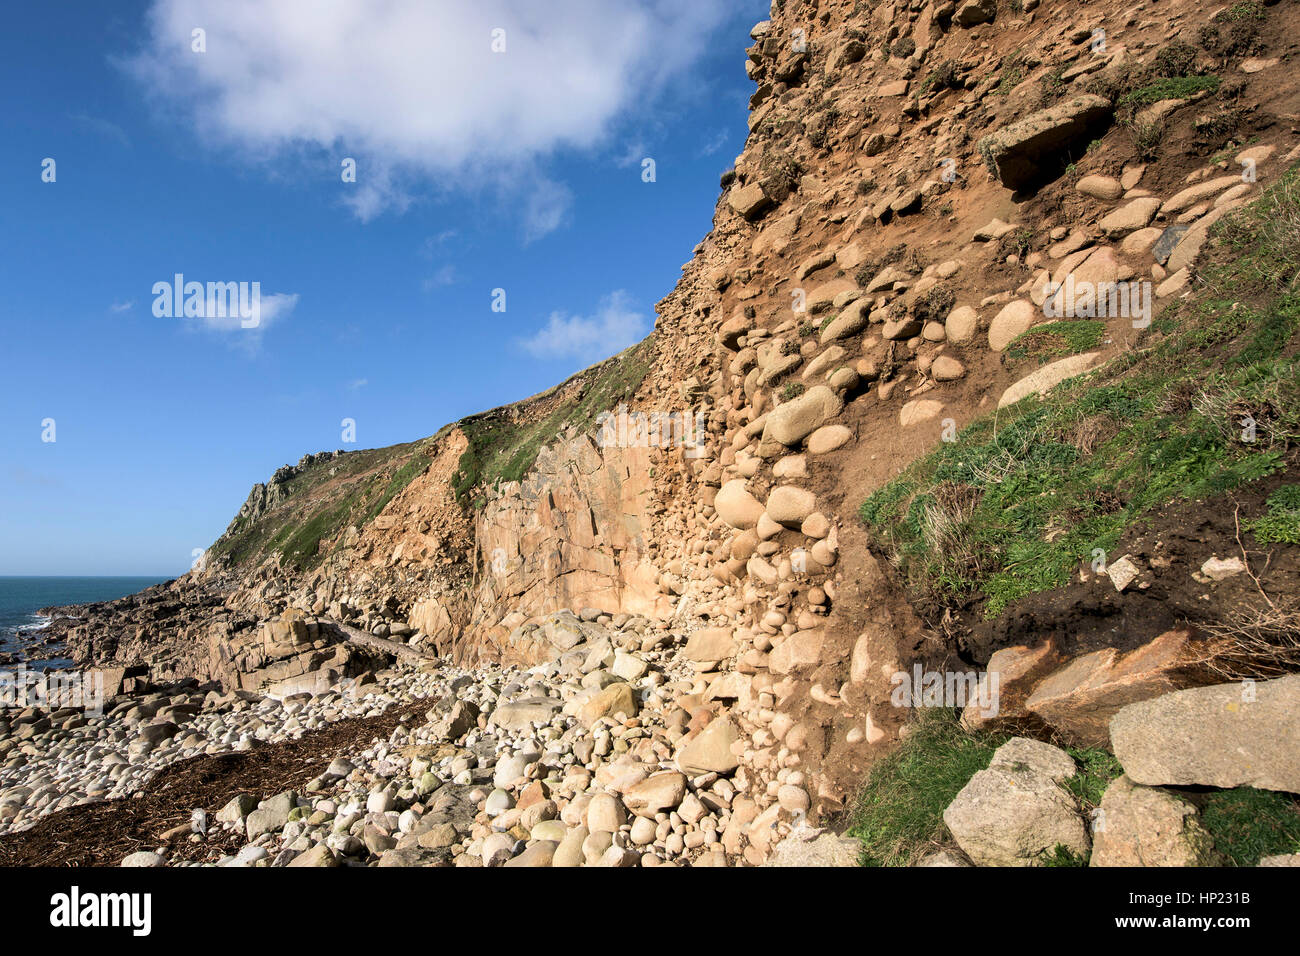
<point>413,90</point>
<point>357,384</point>
<point>122,306</point>
<point>546,208</point>
<point>611,328</point>
<point>273,308</point>
<point>431,245</point>
<point>716,143</point>
<point>23,476</point>
<point>631,156</point>
<point>443,277</point>
<point>101,127</point>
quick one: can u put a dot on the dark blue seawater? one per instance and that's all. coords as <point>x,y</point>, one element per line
<point>22,597</point>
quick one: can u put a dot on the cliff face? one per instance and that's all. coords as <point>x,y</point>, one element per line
<point>886,266</point>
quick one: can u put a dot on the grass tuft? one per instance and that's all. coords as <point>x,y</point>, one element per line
<point>1247,824</point>
<point>1047,483</point>
<point>898,816</point>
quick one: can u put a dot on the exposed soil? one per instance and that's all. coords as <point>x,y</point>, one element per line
<point>102,834</point>
<point>1171,545</point>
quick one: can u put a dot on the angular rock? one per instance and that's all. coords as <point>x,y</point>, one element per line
<point>1013,815</point>
<point>1079,699</point>
<point>1214,736</point>
<point>520,715</point>
<point>710,750</point>
<point>1022,153</point>
<point>1141,826</point>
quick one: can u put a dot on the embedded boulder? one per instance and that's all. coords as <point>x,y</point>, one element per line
<point>1027,151</point>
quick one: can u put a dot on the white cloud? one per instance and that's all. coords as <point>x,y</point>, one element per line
<point>121,306</point>
<point>412,90</point>
<point>357,384</point>
<point>546,208</point>
<point>444,276</point>
<point>614,326</point>
<point>102,127</point>
<point>272,307</point>
<point>715,144</point>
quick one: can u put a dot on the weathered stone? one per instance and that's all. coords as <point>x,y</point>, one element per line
<point>1025,151</point>
<point>273,814</point>
<point>736,506</point>
<point>789,505</point>
<point>659,792</point>
<point>1014,815</point>
<point>520,715</point>
<point>1015,318</point>
<point>617,698</point>
<point>800,649</point>
<point>825,849</point>
<point>1079,699</point>
<point>793,421</point>
<point>1214,736</point>
<point>749,201</point>
<point>710,644</point>
<point>1044,379</point>
<point>710,750</point>
<point>1140,826</point>
<point>828,438</point>
<point>1130,217</point>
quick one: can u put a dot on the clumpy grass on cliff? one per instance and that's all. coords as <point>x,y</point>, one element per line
<point>1054,340</point>
<point>898,815</point>
<point>321,502</point>
<point>503,443</point>
<point>1028,494</point>
<point>1247,824</point>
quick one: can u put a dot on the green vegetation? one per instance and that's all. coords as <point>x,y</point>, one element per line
<point>504,442</point>
<point>1057,340</point>
<point>1027,494</point>
<point>322,500</point>
<point>791,390</point>
<point>1097,768</point>
<point>1013,74</point>
<point>1168,88</point>
<point>1246,824</point>
<point>1063,856</point>
<point>898,815</point>
<point>1241,11</point>
<point>1282,522</point>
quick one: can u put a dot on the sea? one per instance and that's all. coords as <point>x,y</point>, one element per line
<point>22,597</point>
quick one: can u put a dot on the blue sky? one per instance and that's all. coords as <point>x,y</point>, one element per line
<point>476,170</point>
